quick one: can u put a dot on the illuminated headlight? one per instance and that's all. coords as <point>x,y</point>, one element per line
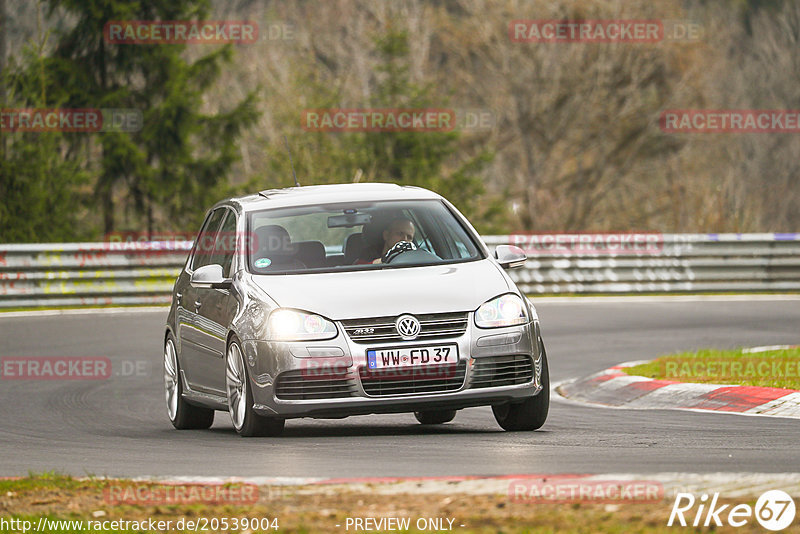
<point>292,325</point>
<point>506,310</point>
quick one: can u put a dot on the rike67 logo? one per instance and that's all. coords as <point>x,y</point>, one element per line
<point>774,510</point>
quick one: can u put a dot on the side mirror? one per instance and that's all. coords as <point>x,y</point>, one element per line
<point>509,256</point>
<point>210,277</point>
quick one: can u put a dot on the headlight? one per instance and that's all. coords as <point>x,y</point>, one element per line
<point>506,310</point>
<point>291,325</point>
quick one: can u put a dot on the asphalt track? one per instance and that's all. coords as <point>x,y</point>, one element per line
<point>118,427</point>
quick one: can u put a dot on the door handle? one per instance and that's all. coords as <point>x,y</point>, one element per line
<point>197,305</point>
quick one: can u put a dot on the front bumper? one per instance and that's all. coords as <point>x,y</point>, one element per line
<point>495,366</point>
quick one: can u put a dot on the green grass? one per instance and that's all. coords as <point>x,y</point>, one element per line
<point>776,368</point>
<point>48,481</point>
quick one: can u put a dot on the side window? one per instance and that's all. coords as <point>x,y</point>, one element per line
<point>225,245</point>
<point>204,246</point>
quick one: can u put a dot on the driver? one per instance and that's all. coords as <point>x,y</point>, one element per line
<point>400,229</point>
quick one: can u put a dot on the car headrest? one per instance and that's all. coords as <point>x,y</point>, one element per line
<point>312,253</point>
<point>353,246</point>
<point>274,239</point>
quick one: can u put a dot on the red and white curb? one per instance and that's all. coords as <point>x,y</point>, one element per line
<point>615,388</point>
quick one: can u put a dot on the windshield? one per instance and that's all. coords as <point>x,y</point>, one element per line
<point>326,238</point>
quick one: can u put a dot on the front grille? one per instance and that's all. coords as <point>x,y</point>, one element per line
<point>297,385</point>
<point>408,380</point>
<point>382,329</point>
<point>496,371</point>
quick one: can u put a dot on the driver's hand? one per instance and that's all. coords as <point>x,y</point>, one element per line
<point>397,249</point>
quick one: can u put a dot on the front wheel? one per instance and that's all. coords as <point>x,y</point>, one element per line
<point>531,413</point>
<point>182,415</point>
<point>240,399</point>
<point>435,417</point>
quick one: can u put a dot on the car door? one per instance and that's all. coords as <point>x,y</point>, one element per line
<point>194,345</point>
<point>216,309</point>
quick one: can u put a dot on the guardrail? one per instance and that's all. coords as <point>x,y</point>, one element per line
<point>86,274</point>
<point>89,274</point>
<point>672,263</point>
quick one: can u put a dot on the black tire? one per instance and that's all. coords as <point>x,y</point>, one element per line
<point>435,417</point>
<point>531,413</point>
<point>187,416</point>
<point>252,424</point>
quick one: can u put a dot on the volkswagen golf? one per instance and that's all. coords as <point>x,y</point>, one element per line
<point>338,300</point>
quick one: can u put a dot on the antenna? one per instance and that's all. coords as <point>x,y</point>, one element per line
<point>296,183</point>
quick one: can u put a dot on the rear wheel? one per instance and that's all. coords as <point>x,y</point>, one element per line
<point>532,412</point>
<point>182,415</point>
<point>240,399</point>
<point>435,417</point>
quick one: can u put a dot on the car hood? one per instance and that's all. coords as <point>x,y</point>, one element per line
<point>388,292</point>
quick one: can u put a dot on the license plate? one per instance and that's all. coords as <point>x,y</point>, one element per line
<point>398,357</point>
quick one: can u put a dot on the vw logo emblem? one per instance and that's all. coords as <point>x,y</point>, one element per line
<point>407,326</point>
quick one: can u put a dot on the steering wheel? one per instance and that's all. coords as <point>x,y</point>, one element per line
<point>397,249</point>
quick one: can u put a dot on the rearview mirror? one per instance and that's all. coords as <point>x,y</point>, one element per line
<point>349,220</point>
<point>209,277</point>
<point>509,256</point>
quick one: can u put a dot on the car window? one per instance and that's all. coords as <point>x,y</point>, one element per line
<point>313,227</point>
<point>225,244</point>
<point>323,238</point>
<point>204,244</point>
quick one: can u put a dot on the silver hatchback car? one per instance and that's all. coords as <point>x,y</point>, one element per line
<point>338,300</point>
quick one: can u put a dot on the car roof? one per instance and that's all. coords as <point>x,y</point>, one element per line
<point>328,194</point>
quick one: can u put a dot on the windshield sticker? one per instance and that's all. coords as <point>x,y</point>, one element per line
<point>263,262</point>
